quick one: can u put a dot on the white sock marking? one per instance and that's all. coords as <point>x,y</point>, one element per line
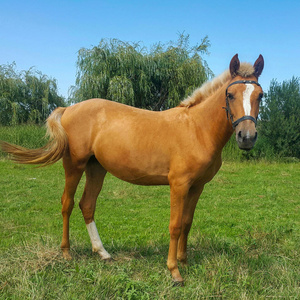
<point>246,98</point>
<point>97,245</point>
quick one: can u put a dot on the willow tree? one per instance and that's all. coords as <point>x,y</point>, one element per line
<point>131,74</point>
<point>27,96</point>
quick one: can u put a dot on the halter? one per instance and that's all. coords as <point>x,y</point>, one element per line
<point>227,108</point>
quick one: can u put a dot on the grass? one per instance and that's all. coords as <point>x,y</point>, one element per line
<point>244,243</point>
<point>31,136</point>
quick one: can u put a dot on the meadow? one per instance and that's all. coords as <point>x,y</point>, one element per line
<point>244,242</point>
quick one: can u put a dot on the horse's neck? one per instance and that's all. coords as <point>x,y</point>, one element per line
<point>212,120</point>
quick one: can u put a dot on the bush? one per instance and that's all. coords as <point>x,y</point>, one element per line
<point>279,126</point>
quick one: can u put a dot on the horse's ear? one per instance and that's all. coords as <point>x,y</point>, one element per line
<point>234,65</point>
<point>258,66</point>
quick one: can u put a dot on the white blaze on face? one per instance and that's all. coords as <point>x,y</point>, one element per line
<point>96,242</point>
<point>246,98</point>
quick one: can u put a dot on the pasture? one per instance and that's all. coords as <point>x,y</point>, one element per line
<point>244,242</point>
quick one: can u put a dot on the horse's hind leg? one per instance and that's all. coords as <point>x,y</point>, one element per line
<point>95,174</point>
<point>72,177</point>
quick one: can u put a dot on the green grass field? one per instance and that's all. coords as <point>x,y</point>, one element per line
<point>244,243</point>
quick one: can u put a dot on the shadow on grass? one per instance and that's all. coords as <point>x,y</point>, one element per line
<point>200,250</point>
<point>203,251</point>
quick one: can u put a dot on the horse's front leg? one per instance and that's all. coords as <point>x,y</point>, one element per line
<point>178,195</point>
<point>187,219</point>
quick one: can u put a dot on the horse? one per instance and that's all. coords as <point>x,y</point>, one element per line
<point>180,147</point>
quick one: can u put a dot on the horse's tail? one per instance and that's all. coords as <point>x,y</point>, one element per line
<point>51,152</point>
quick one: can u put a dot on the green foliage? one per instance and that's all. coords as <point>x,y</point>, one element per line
<point>125,72</point>
<point>27,96</point>
<point>280,121</point>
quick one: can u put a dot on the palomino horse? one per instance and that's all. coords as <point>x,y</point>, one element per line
<point>180,147</point>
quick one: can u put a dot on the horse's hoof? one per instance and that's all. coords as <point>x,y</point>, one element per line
<point>178,283</point>
<point>67,255</point>
<point>108,259</point>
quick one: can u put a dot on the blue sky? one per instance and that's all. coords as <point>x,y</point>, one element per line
<point>48,34</point>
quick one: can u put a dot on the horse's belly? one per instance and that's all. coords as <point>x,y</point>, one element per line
<point>143,179</point>
<point>136,175</point>
<point>141,170</point>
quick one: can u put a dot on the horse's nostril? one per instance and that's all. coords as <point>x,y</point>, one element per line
<point>255,137</point>
<point>246,138</point>
<point>240,134</point>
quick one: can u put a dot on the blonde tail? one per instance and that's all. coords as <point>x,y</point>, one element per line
<point>50,153</point>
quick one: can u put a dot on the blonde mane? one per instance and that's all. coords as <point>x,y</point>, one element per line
<point>210,87</point>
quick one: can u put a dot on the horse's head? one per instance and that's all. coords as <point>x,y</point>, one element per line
<point>243,96</point>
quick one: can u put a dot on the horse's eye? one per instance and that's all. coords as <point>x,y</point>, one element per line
<point>230,96</point>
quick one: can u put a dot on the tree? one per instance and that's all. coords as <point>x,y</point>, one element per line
<point>125,72</point>
<point>27,96</point>
<point>280,122</point>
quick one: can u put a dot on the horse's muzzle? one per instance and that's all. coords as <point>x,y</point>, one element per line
<point>246,139</point>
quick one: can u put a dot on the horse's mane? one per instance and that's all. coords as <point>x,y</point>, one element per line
<point>210,87</point>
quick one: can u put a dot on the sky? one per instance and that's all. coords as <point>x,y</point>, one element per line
<point>47,35</point>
